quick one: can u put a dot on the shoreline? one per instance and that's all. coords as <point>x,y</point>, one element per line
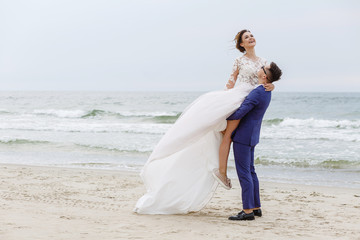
<point>266,173</point>
<point>43,202</point>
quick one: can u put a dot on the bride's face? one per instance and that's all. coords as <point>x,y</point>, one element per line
<point>248,40</point>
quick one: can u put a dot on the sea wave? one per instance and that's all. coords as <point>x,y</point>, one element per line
<point>171,116</point>
<point>139,129</point>
<point>22,141</point>
<point>313,123</point>
<point>148,114</point>
<point>339,164</point>
<point>119,149</point>
<point>60,113</point>
<point>274,121</point>
<point>327,163</point>
<point>94,113</point>
<point>80,127</point>
<point>165,118</point>
<point>311,129</point>
<point>4,111</point>
<point>157,117</point>
<point>67,145</point>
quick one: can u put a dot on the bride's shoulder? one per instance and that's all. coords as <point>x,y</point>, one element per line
<point>239,59</point>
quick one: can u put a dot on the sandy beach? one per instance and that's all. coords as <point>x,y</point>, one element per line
<point>64,203</point>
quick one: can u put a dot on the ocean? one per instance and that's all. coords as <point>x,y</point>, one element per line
<point>306,138</point>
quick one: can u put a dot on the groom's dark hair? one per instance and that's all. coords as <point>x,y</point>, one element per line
<point>275,73</point>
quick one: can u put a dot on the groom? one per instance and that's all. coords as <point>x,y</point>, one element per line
<point>246,136</point>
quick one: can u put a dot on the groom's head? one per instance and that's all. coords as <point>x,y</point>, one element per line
<point>269,73</point>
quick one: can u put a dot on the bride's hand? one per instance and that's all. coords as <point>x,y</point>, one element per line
<point>230,85</point>
<point>269,86</point>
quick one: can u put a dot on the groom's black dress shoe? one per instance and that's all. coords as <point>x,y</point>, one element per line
<point>257,212</point>
<point>243,216</point>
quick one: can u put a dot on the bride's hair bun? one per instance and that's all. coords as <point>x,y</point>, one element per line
<point>238,39</point>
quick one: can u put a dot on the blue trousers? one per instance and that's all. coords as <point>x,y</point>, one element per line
<point>244,161</point>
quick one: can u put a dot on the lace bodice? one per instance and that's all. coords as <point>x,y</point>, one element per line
<point>245,70</point>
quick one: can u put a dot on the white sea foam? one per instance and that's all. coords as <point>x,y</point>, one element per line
<point>78,113</point>
<point>308,132</point>
<point>123,148</point>
<point>147,114</point>
<point>61,113</point>
<point>319,123</point>
<point>80,125</point>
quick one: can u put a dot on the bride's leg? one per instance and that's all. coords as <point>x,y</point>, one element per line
<point>225,146</point>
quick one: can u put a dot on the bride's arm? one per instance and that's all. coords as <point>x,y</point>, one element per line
<point>269,86</point>
<point>233,77</point>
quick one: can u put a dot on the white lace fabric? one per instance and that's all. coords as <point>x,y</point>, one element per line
<point>245,71</point>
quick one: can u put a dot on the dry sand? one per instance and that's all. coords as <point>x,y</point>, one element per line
<point>59,203</point>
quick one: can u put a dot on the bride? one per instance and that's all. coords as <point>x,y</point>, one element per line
<point>178,175</point>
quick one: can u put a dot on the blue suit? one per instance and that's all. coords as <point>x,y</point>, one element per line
<point>245,137</point>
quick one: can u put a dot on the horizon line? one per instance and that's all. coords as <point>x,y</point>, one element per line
<point>167,91</point>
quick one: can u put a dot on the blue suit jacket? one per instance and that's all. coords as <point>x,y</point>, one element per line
<point>251,113</point>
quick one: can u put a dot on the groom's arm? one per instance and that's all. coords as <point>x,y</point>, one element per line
<point>249,103</point>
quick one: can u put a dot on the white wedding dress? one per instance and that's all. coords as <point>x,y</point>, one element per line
<point>178,174</point>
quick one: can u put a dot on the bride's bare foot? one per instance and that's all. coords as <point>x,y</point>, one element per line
<point>222,179</point>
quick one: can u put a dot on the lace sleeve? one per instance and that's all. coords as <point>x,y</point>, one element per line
<point>233,77</point>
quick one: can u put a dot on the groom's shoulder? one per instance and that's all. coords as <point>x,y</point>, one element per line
<point>258,90</point>
<point>259,93</point>
<point>261,90</point>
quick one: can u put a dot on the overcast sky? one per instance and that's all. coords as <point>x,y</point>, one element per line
<point>148,45</point>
